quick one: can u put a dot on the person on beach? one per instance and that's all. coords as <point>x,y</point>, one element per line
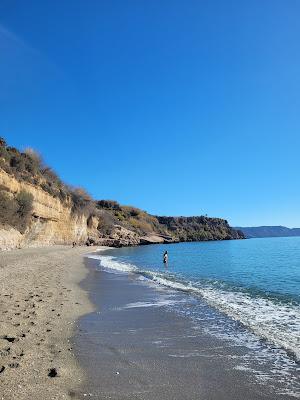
<point>165,258</point>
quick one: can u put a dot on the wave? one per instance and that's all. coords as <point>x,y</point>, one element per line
<point>276,322</point>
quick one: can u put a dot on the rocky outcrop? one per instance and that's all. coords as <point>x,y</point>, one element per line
<point>54,220</point>
<point>199,228</point>
<point>157,239</point>
<point>120,237</point>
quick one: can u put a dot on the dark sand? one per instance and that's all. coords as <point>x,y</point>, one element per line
<point>152,352</point>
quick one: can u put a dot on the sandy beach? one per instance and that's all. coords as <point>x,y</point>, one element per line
<point>69,330</point>
<point>39,302</point>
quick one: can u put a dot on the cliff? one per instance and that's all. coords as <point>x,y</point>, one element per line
<point>36,208</point>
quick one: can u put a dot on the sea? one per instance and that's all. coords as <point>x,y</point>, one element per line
<point>246,292</point>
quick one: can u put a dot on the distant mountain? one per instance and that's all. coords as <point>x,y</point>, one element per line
<point>268,231</point>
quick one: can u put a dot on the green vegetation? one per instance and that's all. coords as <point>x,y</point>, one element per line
<point>28,166</point>
<point>16,211</point>
<point>190,229</point>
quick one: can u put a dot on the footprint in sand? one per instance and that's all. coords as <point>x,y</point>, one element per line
<point>13,365</point>
<point>5,352</point>
<point>10,339</point>
<point>52,372</point>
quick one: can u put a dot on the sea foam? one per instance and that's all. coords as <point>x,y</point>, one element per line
<point>276,322</point>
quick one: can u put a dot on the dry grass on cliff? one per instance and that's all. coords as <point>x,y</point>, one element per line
<point>16,211</point>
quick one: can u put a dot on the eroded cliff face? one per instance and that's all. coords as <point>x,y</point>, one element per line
<point>52,220</point>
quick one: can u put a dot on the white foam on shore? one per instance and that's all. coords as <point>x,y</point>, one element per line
<point>278,323</point>
<point>144,304</point>
<point>110,263</point>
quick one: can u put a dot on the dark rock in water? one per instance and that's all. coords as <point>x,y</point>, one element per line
<point>52,372</point>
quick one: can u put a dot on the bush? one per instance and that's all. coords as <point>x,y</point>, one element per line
<point>8,209</point>
<point>24,212</point>
<point>4,154</point>
<point>51,176</point>
<point>35,157</point>
<point>131,211</point>
<point>109,204</point>
<point>142,226</point>
<point>17,211</point>
<point>18,163</point>
<point>80,195</point>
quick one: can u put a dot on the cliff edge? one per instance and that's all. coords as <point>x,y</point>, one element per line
<point>37,208</point>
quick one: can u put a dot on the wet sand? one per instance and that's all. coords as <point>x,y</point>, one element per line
<point>132,350</point>
<point>39,302</point>
<point>123,344</point>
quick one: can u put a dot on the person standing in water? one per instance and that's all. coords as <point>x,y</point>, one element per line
<point>165,258</point>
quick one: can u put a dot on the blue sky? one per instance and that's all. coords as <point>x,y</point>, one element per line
<point>177,107</point>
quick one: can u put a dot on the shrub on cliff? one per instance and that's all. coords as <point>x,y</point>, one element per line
<point>131,211</point>
<point>29,166</point>
<point>82,202</point>
<point>8,209</point>
<point>16,211</point>
<point>24,202</point>
<point>25,206</point>
<point>109,204</point>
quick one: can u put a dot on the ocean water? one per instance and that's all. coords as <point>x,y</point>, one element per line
<point>250,287</point>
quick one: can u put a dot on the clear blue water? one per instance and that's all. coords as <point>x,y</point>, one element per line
<point>255,282</point>
<point>270,266</point>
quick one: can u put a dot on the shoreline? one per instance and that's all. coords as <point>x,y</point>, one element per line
<point>106,335</point>
<point>135,346</point>
<point>40,302</point>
